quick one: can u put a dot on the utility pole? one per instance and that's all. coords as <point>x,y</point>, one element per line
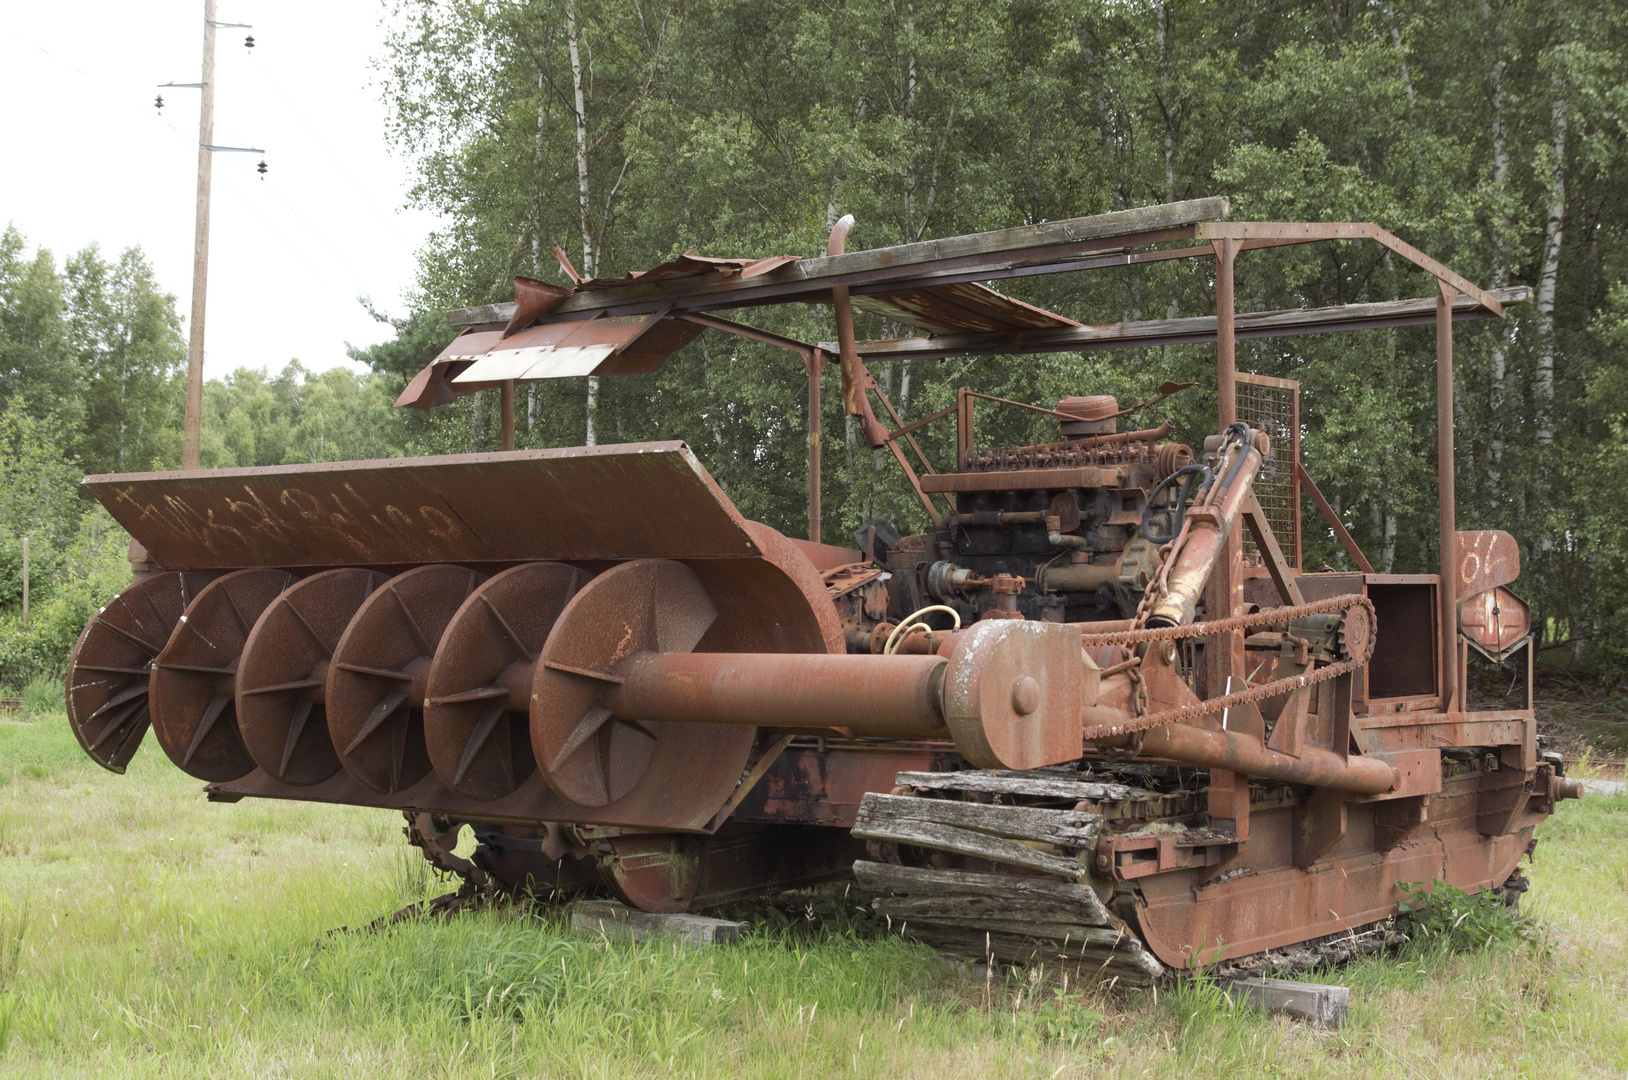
<point>192,432</point>
<point>192,429</point>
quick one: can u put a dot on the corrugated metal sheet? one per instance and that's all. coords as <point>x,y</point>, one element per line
<point>965,308</point>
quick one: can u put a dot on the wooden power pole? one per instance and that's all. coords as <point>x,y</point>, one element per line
<point>192,429</point>
<point>192,432</point>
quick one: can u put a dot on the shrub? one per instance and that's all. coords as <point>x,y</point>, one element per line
<point>91,570</point>
<point>1445,916</point>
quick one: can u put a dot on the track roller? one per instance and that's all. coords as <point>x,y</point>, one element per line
<point>110,664</point>
<point>282,678</point>
<point>380,670</point>
<point>194,681</point>
<point>478,693</point>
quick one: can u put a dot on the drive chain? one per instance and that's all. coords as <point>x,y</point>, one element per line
<point>1185,713</point>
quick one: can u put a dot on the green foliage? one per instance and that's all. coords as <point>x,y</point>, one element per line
<point>297,416</point>
<point>1443,916</point>
<point>92,568</point>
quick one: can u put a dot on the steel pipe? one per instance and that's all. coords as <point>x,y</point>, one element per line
<point>896,696</point>
<point>1079,577</point>
<point>1241,753</point>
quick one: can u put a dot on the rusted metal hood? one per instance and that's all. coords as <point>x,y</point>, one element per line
<point>629,501</point>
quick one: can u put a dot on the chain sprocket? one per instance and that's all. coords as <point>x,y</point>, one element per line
<point>1185,713</point>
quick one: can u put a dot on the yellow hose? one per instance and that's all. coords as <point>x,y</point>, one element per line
<point>903,629</point>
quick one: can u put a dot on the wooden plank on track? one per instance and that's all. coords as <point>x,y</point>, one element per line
<point>929,834</point>
<point>1133,967</point>
<point>975,909</point>
<point>922,881</point>
<point>1015,783</point>
<point>1073,828</point>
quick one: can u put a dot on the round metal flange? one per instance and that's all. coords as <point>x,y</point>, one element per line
<point>194,681</point>
<point>380,672</point>
<point>110,664</point>
<point>587,753</point>
<point>283,674</point>
<point>477,697</point>
<point>1012,694</point>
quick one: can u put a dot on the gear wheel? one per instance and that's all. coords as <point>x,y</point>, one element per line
<point>1356,633</point>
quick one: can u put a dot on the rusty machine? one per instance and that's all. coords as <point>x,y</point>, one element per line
<point>1100,714</point>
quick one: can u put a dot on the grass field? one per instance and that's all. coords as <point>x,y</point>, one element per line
<point>145,932</point>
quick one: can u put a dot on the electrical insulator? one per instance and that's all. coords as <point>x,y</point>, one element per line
<point>261,168</point>
<point>248,42</point>
<point>158,103</point>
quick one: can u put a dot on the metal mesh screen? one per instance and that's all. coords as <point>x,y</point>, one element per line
<point>1273,406</point>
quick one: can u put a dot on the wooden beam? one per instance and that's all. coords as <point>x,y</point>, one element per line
<point>990,254</point>
<point>1195,330</point>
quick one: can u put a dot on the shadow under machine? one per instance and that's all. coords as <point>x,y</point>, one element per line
<point>1100,714</point>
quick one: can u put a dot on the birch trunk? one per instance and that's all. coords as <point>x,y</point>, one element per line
<point>1500,393</point>
<point>1553,237</point>
<point>589,268</point>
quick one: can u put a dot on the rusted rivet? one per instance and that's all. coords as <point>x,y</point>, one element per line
<point>1025,695</point>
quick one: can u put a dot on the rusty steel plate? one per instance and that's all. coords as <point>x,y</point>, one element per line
<point>283,675</point>
<point>109,668</point>
<point>1487,558</point>
<point>380,668</point>
<point>194,680</point>
<point>586,752</point>
<point>1497,620</point>
<point>478,694</point>
<point>635,500</point>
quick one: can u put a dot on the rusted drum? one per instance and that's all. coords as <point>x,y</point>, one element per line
<point>110,664</point>
<point>194,682</point>
<point>380,671</point>
<point>478,690</point>
<point>677,774</point>
<point>587,753</point>
<point>282,678</point>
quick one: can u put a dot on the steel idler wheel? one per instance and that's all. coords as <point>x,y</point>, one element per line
<point>282,678</point>
<point>478,695</point>
<point>380,672</point>
<point>110,664</point>
<point>194,682</point>
<point>587,753</point>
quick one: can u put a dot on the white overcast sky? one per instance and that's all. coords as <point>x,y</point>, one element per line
<point>89,159</point>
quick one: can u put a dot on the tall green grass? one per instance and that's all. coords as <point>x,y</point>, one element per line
<point>145,932</point>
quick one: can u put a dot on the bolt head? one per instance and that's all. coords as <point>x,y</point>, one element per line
<point>1025,695</point>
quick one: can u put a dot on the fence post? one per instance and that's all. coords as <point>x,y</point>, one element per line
<point>25,583</point>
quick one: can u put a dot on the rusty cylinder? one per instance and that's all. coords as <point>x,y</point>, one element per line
<point>896,696</point>
<point>1206,541</point>
<point>1241,753</point>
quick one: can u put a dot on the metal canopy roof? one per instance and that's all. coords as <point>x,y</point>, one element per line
<point>608,326</point>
